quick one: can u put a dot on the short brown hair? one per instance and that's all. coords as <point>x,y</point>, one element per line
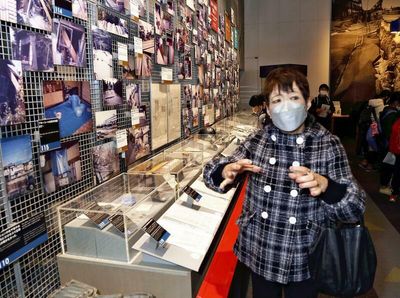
<point>284,78</point>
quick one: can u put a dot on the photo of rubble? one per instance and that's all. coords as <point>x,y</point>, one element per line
<point>79,9</point>
<point>138,143</point>
<point>133,95</point>
<point>128,68</point>
<point>34,50</point>
<point>69,44</point>
<point>112,92</point>
<point>117,5</point>
<point>112,23</point>
<point>146,33</point>
<point>165,52</point>
<point>35,13</point>
<point>162,21</point>
<point>106,124</point>
<point>143,65</point>
<point>12,105</point>
<point>18,171</point>
<point>102,54</point>
<point>185,68</point>
<point>105,161</point>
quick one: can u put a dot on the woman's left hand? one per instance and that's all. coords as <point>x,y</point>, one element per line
<point>317,184</point>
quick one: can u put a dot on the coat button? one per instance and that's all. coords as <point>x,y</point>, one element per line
<point>295,164</point>
<point>300,140</point>
<point>264,214</point>
<point>273,138</point>
<point>267,188</point>
<point>292,220</point>
<point>294,193</point>
<point>272,160</point>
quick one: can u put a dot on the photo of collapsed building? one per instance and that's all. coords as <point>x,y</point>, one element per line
<point>105,161</point>
<point>106,124</point>
<point>35,13</point>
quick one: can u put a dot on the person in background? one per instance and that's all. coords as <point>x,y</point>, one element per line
<point>322,106</point>
<point>298,179</point>
<point>258,107</point>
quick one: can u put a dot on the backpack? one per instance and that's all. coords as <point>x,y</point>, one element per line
<point>394,141</point>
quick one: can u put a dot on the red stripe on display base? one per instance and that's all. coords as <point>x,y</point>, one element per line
<point>218,278</point>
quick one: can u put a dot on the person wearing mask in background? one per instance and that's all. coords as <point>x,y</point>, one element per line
<point>298,178</point>
<point>258,107</point>
<point>322,107</point>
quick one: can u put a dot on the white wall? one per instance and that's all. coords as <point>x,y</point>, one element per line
<point>286,31</point>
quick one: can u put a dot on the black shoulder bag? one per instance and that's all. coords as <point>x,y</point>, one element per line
<point>343,260</point>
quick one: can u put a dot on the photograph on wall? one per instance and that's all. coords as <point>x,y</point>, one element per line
<point>102,54</point>
<point>200,74</point>
<point>190,4</point>
<point>146,33</point>
<point>35,14</point>
<point>12,105</point>
<point>105,161</point>
<point>137,8</point>
<point>197,94</point>
<point>112,92</point>
<point>70,103</point>
<point>112,23</point>
<point>182,39</point>
<point>117,5</point>
<point>18,170</point>
<point>79,9</point>
<point>363,51</point>
<point>8,11</point>
<point>195,117</point>
<point>162,21</point>
<point>187,120</point>
<point>201,15</point>
<point>185,67</point>
<point>69,44</point>
<point>128,68</point>
<point>106,124</point>
<point>61,167</point>
<point>187,93</point>
<point>34,50</point>
<point>174,109</point>
<point>214,15</point>
<point>133,95</point>
<point>165,52</point>
<point>143,65</point>
<point>138,143</point>
<point>186,16</point>
<point>171,7</point>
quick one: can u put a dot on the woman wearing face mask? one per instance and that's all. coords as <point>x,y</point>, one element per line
<point>322,106</point>
<point>298,176</point>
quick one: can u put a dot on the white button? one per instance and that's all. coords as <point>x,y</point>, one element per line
<point>300,140</point>
<point>273,138</point>
<point>295,164</point>
<point>292,220</point>
<point>294,193</point>
<point>272,160</point>
<point>267,188</point>
<point>264,214</point>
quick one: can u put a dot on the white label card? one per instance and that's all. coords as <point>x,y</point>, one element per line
<point>138,45</point>
<point>166,74</point>
<point>122,52</point>
<point>135,115</point>
<point>122,138</point>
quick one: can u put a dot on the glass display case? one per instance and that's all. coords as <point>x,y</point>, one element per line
<point>106,221</point>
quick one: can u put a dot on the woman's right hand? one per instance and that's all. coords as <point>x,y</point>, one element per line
<point>231,170</point>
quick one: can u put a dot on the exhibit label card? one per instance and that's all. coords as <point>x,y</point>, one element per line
<point>166,74</point>
<point>99,218</point>
<point>21,238</point>
<point>122,52</point>
<point>192,193</point>
<point>135,116</point>
<point>156,232</point>
<point>122,140</point>
<point>49,130</point>
<point>134,10</point>
<point>138,45</point>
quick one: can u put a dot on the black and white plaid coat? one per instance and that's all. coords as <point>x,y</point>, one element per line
<point>280,221</point>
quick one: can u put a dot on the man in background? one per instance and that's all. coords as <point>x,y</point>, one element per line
<point>322,107</point>
<point>258,107</point>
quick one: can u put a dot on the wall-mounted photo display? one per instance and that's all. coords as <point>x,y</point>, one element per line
<point>182,39</point>
<point>171,7</point>
<point>186,15</point>
<point>143,65</point>
<point>16,154</point>
<point>35,14</point>
<point>106,124</point>
<point>185,67</point>
<point>201,15</point>
<point>102,54</point>
<point>200,69</point>
<point>69,43</point>
<point>105,161</point>
<point>165,52</point>
<point>63,7</point>
<point>12,105</point>
<point>128,68</point>
<point>187,120</point>
<point>61,167</point>
<point>196,95</point>
<point>112,23</point>
<point>79,9</point>
<point>34,50</point>
<point>190,4</point>
<point>137,8</point>
<point>133,95</point>
<point>162,21</point>
<point>70,102</point>
<point>138,143</point>
<point>187,93</point>
<point>112,92</point>
<point>196,117</point>
<point>117,5</point>
<point>206,96</point>
<point>222,23</point>
<point>218,75</point>
<point>146,33</point>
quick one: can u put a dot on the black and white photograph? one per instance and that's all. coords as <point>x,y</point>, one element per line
<point>16,153</point>
<point>185,68</point>
<point>69,44</point>
<point>112,23</point>
<point>140,4</point>
<point>143,65</point>
<point>34,50</point>
<point>102,54</point>
<point>182,39</point>
<point>35,13</point>
<point>105,161</point>
<point>165,52</point>
<point>61,167</point>
<point>133,95</point>
<point>8,11</point>
<point>146,33</point>
<point>162,21</point>
<point>117,5</point>
<point>138,143</point>
<point>128,68</point>
<point>106,124</point>
<point>12,105</point>
<point>79,9</point>
<point>112,92</point>
<point>70,102</point>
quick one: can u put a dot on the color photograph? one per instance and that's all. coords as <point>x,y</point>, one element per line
<point>112,92</point>
<point>117,5</point>
<point>16,153</point>
<point>61,167</point>
<point>162,21</point>
<point>79,9</point>
<point>143,65</point>
<point>36,14</point>
<point>112,23</point>
<point>102,54</point>
<point>165,52</point>
<point>182,38</point>
<point>138,143</point>
<point>146,33</point>
<point>185,68</point>
<point>105,161</point>
<point>106,124</point>
<point>69,101</point>
<point>128,69</point>
<point>133,95</point>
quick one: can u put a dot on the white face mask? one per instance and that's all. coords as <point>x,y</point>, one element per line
<point>289,115</point>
